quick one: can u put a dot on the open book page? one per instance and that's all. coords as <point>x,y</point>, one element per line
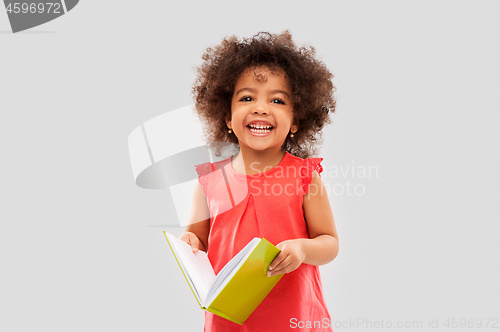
<point>196,267</point>
<point>229,270</point>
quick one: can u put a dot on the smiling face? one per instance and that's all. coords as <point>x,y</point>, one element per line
<point>261,109</point>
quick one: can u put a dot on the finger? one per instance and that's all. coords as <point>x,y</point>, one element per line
<point>194,242</point>
<point>277,260</point>
<point>184,237</point>
<point>201,246</point>
<point>280,268</point>
<point>292,266</point>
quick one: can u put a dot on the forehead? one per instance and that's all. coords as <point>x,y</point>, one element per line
<point>262,74</point>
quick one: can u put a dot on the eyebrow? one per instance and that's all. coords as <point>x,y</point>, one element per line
<point>253,90</point>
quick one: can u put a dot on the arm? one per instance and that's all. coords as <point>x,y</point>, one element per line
<point>196,233</point>
<point>322,246</point>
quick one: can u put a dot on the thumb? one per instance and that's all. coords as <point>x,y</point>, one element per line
<point>280,257</point>
<point>194,242</point>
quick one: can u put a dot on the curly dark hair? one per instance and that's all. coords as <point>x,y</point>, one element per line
<point>310,82</point>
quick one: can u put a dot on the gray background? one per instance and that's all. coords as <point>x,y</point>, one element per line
<point>418,97</point>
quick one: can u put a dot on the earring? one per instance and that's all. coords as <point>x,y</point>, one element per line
<point>230,131</point>
<point>291,134</point>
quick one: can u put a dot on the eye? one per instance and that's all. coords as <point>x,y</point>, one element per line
<point>278,101</point>
<point>246,98</point>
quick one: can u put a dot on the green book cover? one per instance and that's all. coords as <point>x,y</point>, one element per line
<point>238,288</point>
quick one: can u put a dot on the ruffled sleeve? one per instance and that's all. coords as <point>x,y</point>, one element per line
<point>203,170</point>
<point>308,166</point>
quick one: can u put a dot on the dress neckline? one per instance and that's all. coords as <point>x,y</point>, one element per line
<point>272,170</point>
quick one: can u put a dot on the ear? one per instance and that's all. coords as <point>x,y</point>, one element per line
<point>295,127</point>
<point>228,123</point>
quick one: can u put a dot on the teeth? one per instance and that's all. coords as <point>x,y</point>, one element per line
<point>260,126</point>
<point>260,129</point>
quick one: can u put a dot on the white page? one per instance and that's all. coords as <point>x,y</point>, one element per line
<point>196,266</point>
<point>230,269</point>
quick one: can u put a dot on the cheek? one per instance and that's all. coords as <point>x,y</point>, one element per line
<point>236,116</point>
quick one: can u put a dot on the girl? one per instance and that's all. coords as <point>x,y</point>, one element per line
<point>272,99</point>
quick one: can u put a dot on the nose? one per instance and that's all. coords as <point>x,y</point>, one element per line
<point>261,108</point>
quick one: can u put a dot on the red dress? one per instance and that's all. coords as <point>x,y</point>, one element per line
<point>268,205</point>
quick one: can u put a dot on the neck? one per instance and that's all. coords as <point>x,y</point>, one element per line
<point>251,162</point>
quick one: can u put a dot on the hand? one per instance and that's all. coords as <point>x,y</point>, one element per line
<point>289,259</point>
<point>191,239</point>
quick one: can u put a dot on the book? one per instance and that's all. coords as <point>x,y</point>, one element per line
<point>239,287</point>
